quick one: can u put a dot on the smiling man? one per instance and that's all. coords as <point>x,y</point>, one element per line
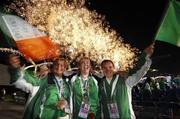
<point>115,89</point>
<point>85,92</point>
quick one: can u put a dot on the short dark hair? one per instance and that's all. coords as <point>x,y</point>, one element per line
<point>106,61</point>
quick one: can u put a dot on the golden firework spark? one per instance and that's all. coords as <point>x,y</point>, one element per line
<point>78,31</point>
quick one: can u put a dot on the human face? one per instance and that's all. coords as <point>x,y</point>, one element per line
<point>59,67</point>
<point>85,66</point>
<point>108,69</point>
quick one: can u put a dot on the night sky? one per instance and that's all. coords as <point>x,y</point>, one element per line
<point>138,22</point>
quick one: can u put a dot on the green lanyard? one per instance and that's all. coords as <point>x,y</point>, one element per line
<point>85,88</point>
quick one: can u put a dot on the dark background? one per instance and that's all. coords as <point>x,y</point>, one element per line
<point>138,22</point>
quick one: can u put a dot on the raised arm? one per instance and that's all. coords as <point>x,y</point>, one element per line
<point>142,67</point>
<point>14,67</point>
<point>17,75</point>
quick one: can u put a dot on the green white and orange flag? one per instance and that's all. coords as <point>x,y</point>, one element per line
<point>32,43</point>
<point>169,30</point>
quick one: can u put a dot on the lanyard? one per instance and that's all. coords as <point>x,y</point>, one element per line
<point>113,91</point>
<point>84,87</point>
<point>60,87</point>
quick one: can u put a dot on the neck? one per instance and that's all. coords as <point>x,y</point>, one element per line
<point>84,76</point>
<point>109,77</point>
<point>58,75</point>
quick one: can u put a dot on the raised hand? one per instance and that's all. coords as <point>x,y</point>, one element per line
<point>14,61</point>
<point>150,49</point>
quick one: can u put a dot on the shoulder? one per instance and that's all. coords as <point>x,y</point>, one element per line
<point>120,79</point>
<point>49,78</point>
<point>74,78</point>
<point>94,80</point>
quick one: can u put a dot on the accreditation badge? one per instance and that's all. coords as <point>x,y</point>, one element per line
<point>84,110</point>
<point>113,110</point>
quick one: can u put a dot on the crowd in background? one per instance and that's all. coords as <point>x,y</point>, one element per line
<point>159,88</point>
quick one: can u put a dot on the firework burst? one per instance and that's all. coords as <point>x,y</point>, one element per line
<point>77,30</point>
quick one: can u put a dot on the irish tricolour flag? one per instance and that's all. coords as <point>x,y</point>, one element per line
<point>29,40</point>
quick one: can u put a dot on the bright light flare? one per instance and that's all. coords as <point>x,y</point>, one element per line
<point>80,29</point>
<point>77,30</point>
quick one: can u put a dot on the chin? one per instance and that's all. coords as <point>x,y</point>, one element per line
<point>59,74</point>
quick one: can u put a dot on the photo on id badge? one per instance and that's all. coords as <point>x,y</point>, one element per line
<point>84,110</point>
<point>113,110</point>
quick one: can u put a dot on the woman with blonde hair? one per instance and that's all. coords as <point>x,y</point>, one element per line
<point>53,99</point>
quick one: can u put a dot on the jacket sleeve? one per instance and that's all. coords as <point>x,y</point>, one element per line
<point>141,69</point>
<point>18,80</point>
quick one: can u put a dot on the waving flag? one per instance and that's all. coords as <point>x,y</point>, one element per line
<point>169,30</point>
<point>29,40</point>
